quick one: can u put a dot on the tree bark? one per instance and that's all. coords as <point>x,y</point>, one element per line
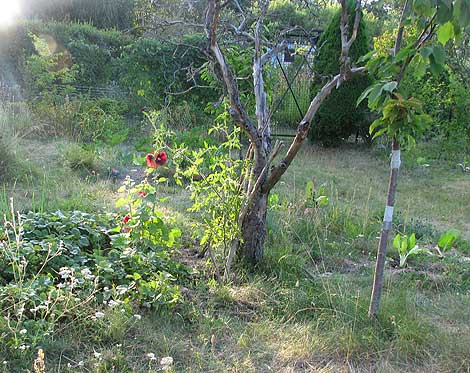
<point>385,232</point>
<point>253,228</point>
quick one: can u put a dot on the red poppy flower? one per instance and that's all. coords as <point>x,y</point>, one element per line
<point>142,194</point>
<point>161,158</point>
<point>151,163</point>
<point>127,229</point>
<point>126,219</point>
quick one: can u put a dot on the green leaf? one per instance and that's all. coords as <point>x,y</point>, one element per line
<point>322,201</point>
<point>420,66</point>
<point>426,52</point>
<point>374,96</point>
<point>423,7</point>
<point>439,54</point>
<point>445,32</point>
<point>448,238</point>
<point>390,86</point>
<point>396,242</point>
<point>462,12</point>
<point>412,241</point>
<point>444,11</point>
<point>404,246</point>
<point>435,68</point>
<point>364,94</point>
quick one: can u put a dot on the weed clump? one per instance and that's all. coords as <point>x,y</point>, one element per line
<point>78,157</point>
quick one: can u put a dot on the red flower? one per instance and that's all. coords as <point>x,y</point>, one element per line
<point>142,194</point>
<point>150,158</point>
<point>126,219</point>
<point>161,158</point>
<point>127,229</point>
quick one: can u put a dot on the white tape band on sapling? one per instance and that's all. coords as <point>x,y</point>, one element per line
<point>388,215</point>
<point>396,161</point>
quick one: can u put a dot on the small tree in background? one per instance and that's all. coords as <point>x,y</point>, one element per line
<point>402,118</point>
<point>338,117</point>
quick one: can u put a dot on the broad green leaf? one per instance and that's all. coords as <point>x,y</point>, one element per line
<point>322,201</point>
<point>374,95</point>
<point>412,241</point>
<point>444,11</point>
<point>426,52</point>
<point>420,66</point>
<point>404,245</point>
<point>378,133</point>
<point>364,94</point>
<point>462,12</point>
<point>390,86</point>
<point>423,7</point>
<point>448,238</point>
<point>396,242</point>
<point>445,32</point>
<point>439,54</point>
<point>435,68</point>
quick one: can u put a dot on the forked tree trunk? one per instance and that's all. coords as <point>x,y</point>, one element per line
<point>385,233</point>
<point>263,175</point>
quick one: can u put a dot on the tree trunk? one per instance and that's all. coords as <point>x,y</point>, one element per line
<point>386,227</point>
<point>253,228</point>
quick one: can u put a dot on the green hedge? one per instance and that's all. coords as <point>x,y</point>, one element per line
<point>338,117</point>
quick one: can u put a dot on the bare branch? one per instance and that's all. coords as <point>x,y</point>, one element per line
<point>345,73</point>
<point>237,109</point>
<point>302,130</point>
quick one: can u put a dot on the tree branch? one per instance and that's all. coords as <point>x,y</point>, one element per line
<point>237,109</point>
<point>345,73</point>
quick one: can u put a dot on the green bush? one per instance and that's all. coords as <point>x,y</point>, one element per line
<point>150,67</point>
<point>450,113</point>
<point>338,117</point>
<point>101,120</point>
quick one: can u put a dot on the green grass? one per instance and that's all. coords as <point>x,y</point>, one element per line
<point>305,308</point>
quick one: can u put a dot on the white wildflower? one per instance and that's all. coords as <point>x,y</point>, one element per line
<point>138,317</point>
<point>97,354</point>
<point>23,331</point>
<point>151,356</point>
<point>65,272</point>
<point>113,303</point>
<point>166,362</point>
<point>86,273</point>
<point>81,363</point>
<point>99,315</point>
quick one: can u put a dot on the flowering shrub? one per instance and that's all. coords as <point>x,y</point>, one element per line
<point>58,266</point>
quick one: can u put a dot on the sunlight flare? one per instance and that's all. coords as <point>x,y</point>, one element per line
<point>9,12</point>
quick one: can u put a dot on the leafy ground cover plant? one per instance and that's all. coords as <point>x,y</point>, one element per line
<point>407,247</point>
<point>447,240</point>
<point>60,266</point>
